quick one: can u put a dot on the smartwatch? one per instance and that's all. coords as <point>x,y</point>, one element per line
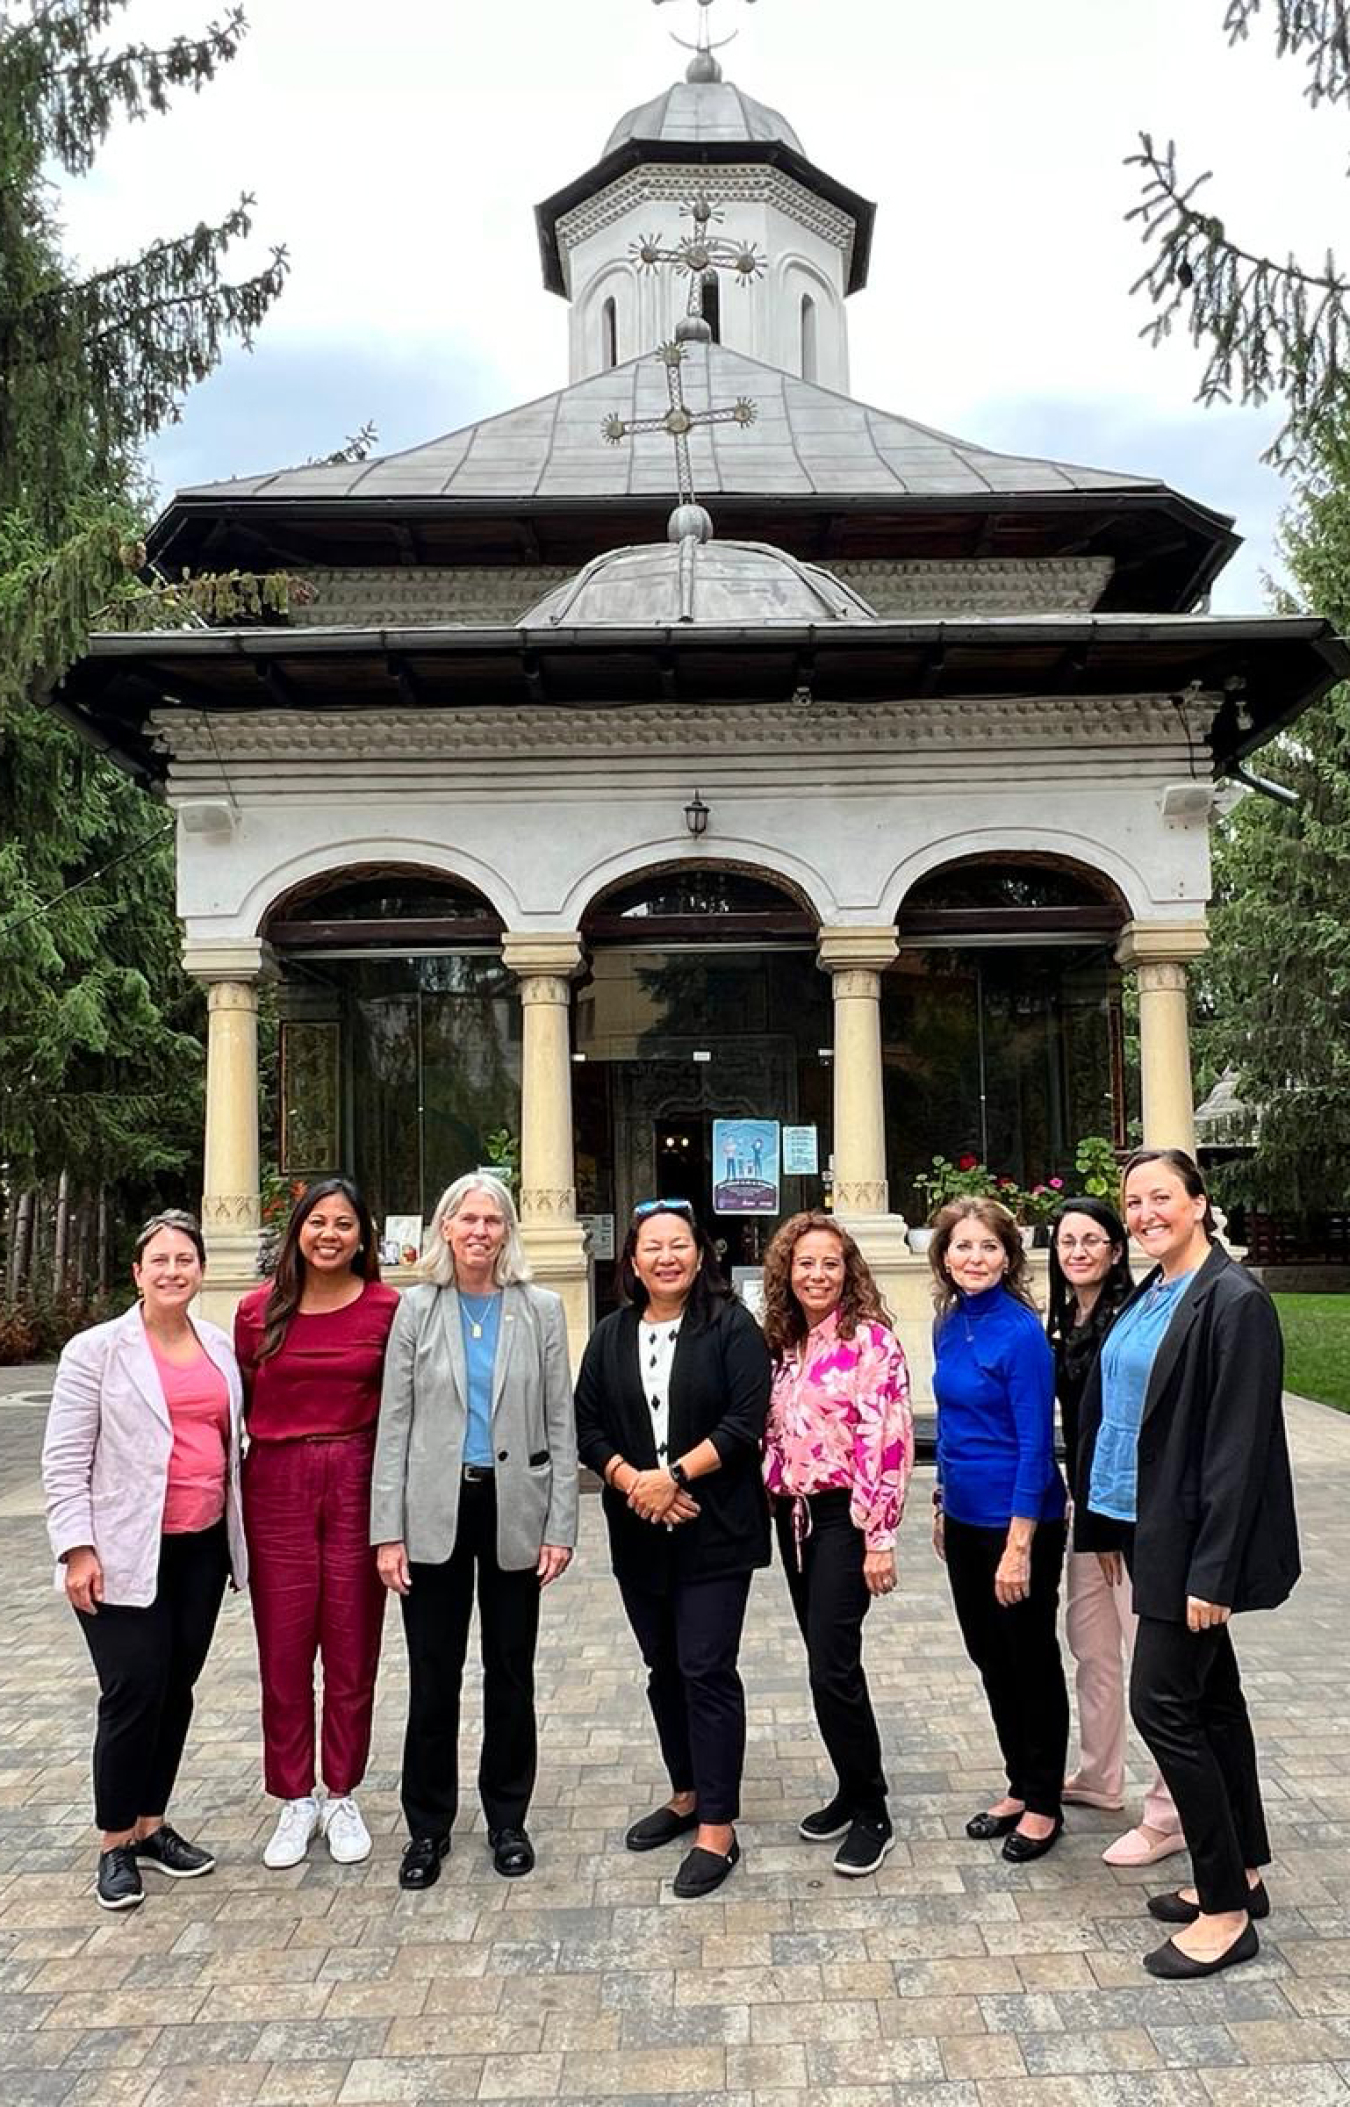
<point>679,1474</point>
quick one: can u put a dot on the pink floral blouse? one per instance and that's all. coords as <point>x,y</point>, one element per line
<point>839,1417</point>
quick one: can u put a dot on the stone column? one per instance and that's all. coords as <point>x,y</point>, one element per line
<point>855,960</point>
<point>230,1198</point>
<point>544,965</point>
<point>1158,954</point>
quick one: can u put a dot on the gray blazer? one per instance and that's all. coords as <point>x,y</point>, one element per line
<point>419,1449</point>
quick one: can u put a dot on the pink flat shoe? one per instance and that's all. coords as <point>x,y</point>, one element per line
<point>1076,1795</point>
<point>1135,1849</point>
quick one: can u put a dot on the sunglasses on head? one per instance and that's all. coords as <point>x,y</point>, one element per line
<point>646,1207</point>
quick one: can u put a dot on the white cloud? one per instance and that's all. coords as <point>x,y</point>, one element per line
<point>399,154</point>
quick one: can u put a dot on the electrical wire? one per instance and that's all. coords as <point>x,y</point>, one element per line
<point>35,914</point>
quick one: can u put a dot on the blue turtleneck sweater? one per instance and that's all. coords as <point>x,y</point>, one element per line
<point>994,1380</point>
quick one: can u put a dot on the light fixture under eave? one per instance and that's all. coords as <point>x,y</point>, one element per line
<point>697,815</point>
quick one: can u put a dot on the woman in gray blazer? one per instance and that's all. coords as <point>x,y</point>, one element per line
<point>475,1480</point>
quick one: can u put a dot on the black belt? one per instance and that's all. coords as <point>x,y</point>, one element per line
<point>478,1474</point>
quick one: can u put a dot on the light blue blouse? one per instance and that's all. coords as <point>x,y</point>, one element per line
<point>480,1358</point>
<point>1127,1363</point>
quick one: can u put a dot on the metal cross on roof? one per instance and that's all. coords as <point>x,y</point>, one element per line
<point>700,255</point>
<point>704,39</point>
<point>679,420</point>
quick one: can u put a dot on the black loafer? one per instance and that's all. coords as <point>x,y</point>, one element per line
<point>1171,1965</point>
<point>1019,1850</point>
<point>170,1853</point>
<point>659,1828</point>
<point>982,1827</point>
<point>421,1867</point>
<point>512,1852</point>
<point>827,1823</point>
<point>1172,1908</point>
<point>119,1878</point>
<point>702,1871</point>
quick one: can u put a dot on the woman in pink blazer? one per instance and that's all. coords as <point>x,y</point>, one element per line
<point>141,1472</point>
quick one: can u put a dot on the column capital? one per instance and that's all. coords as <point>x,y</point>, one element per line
<point>866,949</point>
<point>1161,943</point>
<point>229,958</point>
<point>528,952</point>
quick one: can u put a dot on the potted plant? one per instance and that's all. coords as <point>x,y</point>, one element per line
<point>1098,1167</point>
<point>1034,1205</point>
<point>965,1179</point>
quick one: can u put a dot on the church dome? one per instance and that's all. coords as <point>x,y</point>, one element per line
<point>704,109</point>
<point>693,579</point>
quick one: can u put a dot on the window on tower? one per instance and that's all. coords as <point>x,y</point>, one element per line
<point>809,368</point>
<point>609,333</point>
<point>712,305</point>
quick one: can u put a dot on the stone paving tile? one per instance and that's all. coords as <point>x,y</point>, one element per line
<point>950,1979</point>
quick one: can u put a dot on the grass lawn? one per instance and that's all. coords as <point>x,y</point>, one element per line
<point>1317,1346</point>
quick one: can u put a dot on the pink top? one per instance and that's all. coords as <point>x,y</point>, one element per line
<point>839,1417</point>
<point>198,1399</point>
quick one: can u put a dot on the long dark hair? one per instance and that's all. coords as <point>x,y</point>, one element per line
<point>993,1215</point>
<point>709,1290</point>
<point>783,1322</point>
<point>1118,1284</point>
<point>1187,1169</point>
<point>288,1281</point>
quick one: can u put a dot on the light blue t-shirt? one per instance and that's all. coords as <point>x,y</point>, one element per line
<point>1127,1363</point>
<point>480,1358</point>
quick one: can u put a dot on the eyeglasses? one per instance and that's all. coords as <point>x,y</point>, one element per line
<point>646,1207</point>
<point>1088,1245</point>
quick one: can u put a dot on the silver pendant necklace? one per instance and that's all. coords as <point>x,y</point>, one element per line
<point>475,1323</point>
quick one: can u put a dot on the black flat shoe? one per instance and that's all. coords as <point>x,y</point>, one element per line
<point>982,1827</point>
<point>659,1828</point>
<point>1173,1966</point>
<point>1173,1909</point>
<point>119,1878</point>
<point>1019,1850</point>
<point>422,1858</point>
<point>702,1871</point>
<point>512,1852</point>
<point>170,1853</point>
<point>827,1823</point>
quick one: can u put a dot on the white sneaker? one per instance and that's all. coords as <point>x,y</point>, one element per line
<point>346,1834</point>
<point>297,1822</point>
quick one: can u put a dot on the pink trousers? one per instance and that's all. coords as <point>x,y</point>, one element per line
<point>1100,1624</point>
<point>316,1594</point>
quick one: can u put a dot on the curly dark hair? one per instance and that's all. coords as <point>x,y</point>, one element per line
<point>784,1321</point>
<point>994,1215</point>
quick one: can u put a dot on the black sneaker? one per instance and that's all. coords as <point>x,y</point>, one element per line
<point>869,1838</point>
<point>827,1822</point>
<point>170,1853</point>
<point>119,1878</point>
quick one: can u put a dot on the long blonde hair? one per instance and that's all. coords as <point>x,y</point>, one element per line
<point>437,1264</point>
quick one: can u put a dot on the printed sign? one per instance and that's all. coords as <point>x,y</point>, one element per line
<point>801,1155</point>
<point>745,1166</point>
<point>601,1227</point>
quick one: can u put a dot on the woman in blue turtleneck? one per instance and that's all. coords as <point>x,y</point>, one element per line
<point>999,1519</point>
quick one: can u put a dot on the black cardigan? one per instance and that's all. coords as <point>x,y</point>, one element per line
<point>719,1392</point>
<point>1215,1501</point>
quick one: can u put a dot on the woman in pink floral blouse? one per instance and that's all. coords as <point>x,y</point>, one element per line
<point>839,1447</point>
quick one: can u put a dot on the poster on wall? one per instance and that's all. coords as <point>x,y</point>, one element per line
<point>801,1154</point>
<point>401,1244</point>
<point>745,1166</point>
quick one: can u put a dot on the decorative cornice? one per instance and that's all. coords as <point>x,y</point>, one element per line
<point>544,961</point>
<point>654,183</point>
<point>1144,944</point>
<point>857,957</point>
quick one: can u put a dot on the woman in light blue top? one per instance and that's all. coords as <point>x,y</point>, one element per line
<point>1127,1363</point>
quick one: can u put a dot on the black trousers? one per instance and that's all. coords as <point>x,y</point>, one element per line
<point>1186,1698</point>
<point>436,1617</point>
<point>690,1636</point>
<point>830,1599</point>
<point>147,1662</point>
<point>1017,1653</point>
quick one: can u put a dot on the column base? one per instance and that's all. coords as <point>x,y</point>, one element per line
<point>231,1270</point>
<point>557,1253</point>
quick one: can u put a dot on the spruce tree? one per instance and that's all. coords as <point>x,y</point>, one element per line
<point>100,1054</point>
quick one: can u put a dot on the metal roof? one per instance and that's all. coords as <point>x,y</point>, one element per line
<point>689,579</point>
<point>806,441</point>
<point>700,111</point>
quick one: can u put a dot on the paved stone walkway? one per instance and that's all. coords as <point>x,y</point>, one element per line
<point>950,1979</point>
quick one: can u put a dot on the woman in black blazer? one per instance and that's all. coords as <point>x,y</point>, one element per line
<point>1183,1468</point>
<point>671,1403</point>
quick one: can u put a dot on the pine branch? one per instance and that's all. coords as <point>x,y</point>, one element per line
<point>1271,328</point>
<point>1319,27</point>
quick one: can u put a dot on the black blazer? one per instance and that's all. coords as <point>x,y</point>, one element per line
<point>1216,1494</point>
<point>719,1392</point>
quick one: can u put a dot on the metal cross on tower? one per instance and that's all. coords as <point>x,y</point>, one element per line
<point>696,255</point>
<point>704,40</point>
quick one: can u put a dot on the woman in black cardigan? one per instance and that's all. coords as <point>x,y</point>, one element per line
<point>1183,1466</point>
<point>671,1403</point>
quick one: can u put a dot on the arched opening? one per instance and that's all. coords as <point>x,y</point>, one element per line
<point>712,304</point>
<point>1002,1027</point>
<point>609,333</point>
<point>810,352</point>
<point>701,1049</point>
<point>398,1041</point>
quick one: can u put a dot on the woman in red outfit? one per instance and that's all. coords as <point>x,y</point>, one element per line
<point>311,1347</point>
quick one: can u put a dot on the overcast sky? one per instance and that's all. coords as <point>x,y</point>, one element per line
<point>398,150</point>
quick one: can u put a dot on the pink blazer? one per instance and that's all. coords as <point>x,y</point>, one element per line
<point>105,1459</point>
